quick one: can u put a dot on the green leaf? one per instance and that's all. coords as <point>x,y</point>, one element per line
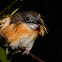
<point>7,15</point>
<point>9,60</point>
<point>3,56</point>
<point>14,11</point>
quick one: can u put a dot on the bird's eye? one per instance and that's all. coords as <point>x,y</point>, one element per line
<point>27,18</point>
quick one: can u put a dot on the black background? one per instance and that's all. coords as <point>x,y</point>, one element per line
<point>47,48</point>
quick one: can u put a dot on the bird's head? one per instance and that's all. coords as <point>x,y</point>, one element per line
<point>27,17</point>
<point>30,18</point>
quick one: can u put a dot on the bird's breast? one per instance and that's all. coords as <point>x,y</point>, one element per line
<point>19,35</point>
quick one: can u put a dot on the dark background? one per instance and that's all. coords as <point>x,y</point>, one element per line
<point>47,48</point>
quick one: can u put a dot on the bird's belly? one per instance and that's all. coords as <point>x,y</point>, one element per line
<point>26,41</point>
<point>21,41</point>
<point>19,35</point>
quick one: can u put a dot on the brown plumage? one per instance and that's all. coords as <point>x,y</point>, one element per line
<point>21,29</point>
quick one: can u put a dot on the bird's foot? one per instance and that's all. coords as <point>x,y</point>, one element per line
<point>7,51</point>
<point>26,52</point>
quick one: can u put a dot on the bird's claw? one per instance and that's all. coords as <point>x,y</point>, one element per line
<point>26,52</point>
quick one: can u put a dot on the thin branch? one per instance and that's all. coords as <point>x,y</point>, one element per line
<point>32,55</point>
<point>36,57</point>
<point>8,7</point>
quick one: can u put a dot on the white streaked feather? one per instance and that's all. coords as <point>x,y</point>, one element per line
<point>32,26</point>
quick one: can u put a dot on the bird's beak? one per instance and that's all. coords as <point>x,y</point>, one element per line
<point>42,24</point>
<point>41,21</point>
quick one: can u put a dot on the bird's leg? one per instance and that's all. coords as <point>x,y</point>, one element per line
<point>7,51</point>
<point>26,51</point>
<point>28,48</point>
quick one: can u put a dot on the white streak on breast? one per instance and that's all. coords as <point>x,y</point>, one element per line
<point>32,26</point>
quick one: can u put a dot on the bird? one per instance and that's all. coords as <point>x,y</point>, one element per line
<point>21,29</point>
